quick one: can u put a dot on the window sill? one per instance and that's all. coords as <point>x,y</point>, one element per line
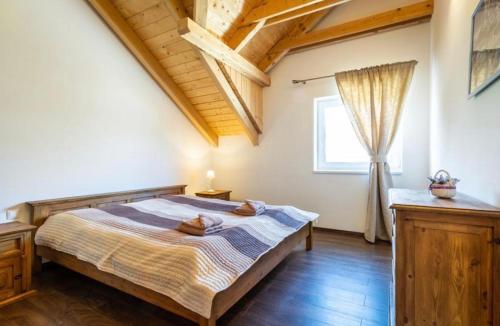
<point>354,172</point>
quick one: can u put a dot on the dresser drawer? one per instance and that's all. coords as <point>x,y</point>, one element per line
<point>10,277</point>
<point>11,245</point>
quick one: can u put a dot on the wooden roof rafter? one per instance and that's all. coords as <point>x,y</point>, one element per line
<point>215,71</point>
<point>303,11</point>
<point>304,25</point>
<point>231,96</point>
<point>206,41</point>
<point>301,35</point>
<point>418,12</point>
<point>271,8</point>
<point>223,81</point>
<point>244,34</point>
<point>277,12</point>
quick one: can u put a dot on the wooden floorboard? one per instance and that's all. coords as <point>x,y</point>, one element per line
<point>342,281</point>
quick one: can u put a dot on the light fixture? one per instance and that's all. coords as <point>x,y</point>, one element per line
<point>210,177</point>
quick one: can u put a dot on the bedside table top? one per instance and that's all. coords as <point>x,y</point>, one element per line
<point>213,193</point>
<point>15,227</point>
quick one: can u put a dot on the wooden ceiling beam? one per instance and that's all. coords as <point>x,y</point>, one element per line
<point>206,41</point>
<point>421,11</point>
<point>125,33</point>
<point>230,96</point>
<point>271,8</point>
<point>244,35</point>
<point>304,25</point>
<point>326,4</point>
<point>222,81</point>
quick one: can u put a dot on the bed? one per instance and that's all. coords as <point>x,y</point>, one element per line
<point>128,240</point>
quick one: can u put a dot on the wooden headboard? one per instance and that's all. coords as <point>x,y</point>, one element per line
<point>42,209</point>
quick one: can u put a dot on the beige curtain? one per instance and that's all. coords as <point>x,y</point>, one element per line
<point>374,99</point>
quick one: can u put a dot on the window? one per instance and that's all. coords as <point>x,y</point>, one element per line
<point>337,148</point>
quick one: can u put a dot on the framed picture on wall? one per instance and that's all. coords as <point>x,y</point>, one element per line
<point>485,46</point>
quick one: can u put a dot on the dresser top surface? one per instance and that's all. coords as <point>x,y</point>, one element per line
<point>407,199</point>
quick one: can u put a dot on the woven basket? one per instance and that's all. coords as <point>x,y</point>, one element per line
<point>446,190</point>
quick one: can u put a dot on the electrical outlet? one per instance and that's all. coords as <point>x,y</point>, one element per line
<point>11,214</point>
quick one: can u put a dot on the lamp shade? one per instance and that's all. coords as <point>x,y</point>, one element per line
<point>210,174</point>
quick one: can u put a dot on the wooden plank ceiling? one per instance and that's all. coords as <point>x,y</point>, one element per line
<point>211,56</point>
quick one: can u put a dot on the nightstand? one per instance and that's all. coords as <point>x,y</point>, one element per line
<point>15,262</point>
<point>216,194</point>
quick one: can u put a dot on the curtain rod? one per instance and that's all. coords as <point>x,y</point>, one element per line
<point>303,81</point>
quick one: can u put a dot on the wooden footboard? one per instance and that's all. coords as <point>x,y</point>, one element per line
<point>227,298</point>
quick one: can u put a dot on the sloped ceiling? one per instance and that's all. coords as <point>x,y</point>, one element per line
<point>157,28</point>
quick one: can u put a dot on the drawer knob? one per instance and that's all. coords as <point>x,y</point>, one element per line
<point>18,276</point>
<point>495,241</point>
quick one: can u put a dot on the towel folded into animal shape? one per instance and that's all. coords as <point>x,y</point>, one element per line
<point>202,225</point>
<point>250,208</point>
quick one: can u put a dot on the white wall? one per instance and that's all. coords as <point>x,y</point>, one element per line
<point>465,132</point>
<point>78,114</point>
<point>279,170</point>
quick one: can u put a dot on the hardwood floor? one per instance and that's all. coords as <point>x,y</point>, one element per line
<point>342,281</point>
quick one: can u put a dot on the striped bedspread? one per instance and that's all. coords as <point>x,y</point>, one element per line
<point>139,242</point>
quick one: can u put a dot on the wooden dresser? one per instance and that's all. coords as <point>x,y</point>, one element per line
<point>446,260</point>
<point>15,262</point>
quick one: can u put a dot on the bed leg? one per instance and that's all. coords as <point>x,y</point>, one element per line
<point>309,239</point>
<point>207,322</point>
<point>37,264</point>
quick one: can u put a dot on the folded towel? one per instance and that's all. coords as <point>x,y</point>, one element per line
<point>186,228</point>
<point>202,225</point>
<point>204,221</point>
<point>250,208</point>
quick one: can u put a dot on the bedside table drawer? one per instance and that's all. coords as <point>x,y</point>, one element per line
<point>215,194</point>
<point>223,196</point>
<point>10,277</point>
<point>11,245</point>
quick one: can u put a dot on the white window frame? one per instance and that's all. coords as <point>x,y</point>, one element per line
<point>320,165</point>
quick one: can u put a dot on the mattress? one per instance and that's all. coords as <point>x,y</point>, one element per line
<point>139,242</point>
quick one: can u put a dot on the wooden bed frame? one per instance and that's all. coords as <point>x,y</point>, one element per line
<point>223,300</point>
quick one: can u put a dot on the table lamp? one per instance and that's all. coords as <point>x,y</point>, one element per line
<point>210,177</point>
